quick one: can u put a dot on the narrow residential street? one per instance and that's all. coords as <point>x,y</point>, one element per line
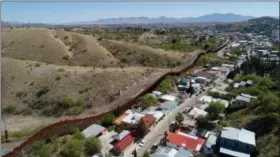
<point>157,132</point>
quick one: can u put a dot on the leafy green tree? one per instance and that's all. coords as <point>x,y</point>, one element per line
<point>108,120</point>
<point>73,148</point>
<point>92,146</point>
<point>142,129</point>
<point>39,148</point>
<point>216,108</point>
<point>179,118</point>
<point>78,135</point>
<point>146,154</point>
<point>147,101</point>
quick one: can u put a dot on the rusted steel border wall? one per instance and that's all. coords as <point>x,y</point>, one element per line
<point>62,127</point>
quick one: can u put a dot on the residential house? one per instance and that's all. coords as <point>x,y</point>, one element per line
<point>240,101</point>
<point>210,144</point>
<point>148,120</point>
<point>123,144</point>
<point>157,114</point>
<point>93,130</point>
<point>179,139</point>
<point>236,142</point>
<point>196,112</point>
<point>118,121</point>
<point>121,135</point>
<point>171,152</point>
<point>209,99</point>
<point>132,120</point>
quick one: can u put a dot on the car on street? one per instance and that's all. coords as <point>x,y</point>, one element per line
<point>141,144</point>
<point>137,148</point>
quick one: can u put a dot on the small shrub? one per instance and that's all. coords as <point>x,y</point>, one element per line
<point>65,103</point>
<point>66,37</point>
<point>108,120</point>
<point>81,91</point>
<point>55,36</point>
<point>42,91</point>
<point>31,83</point>
<point>37,65</point>
<point>74,111</point>
<point>41,46</point>
<point>67,58</point>
<point>84,50</point>
<point>80,102</point>
<point>57,78</point>
<point>21,94</point>
<point>25,111</point>
<point>61,69</point>
<point>9,109</point>
<point>73,148</point>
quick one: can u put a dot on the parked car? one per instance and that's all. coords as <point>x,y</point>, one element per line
<point>141,144</point>
<point>137,148</point>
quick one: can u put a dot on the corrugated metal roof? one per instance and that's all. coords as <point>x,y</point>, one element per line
<point>164,152</point>
<point>183,153</point>
<point>121,135</point>
<point>93,130</point>
<point>233,153</point>
<point>243,98</point>
<point>242,135</point>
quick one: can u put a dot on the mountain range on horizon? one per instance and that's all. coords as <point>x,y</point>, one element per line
<point>209,18</point>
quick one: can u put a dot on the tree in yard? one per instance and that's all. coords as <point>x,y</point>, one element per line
<point>216,108</point>
<point>142,129</point>
<point>108,120</point>
<point>147,100</point>
<point>73,148</point>
<point>146,154</point>
<point>179,118</point>
<point>92,146</point>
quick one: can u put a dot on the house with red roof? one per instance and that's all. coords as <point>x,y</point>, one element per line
<point>122,144</point>
<point>149,120</point>
<point>179,139</point>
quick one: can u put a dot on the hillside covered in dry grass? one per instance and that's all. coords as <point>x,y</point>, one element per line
<point>55,73</point>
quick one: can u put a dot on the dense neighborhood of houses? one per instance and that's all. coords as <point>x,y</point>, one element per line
<point>187,139</point>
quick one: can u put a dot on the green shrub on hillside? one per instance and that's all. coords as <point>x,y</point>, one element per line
<point>73,148</point>
<point>147,100</point>
<point>108,120</point>
<point>42,91</point>
<point>65,103</point>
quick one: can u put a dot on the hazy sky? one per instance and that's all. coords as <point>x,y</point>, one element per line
<point>61,12</point>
